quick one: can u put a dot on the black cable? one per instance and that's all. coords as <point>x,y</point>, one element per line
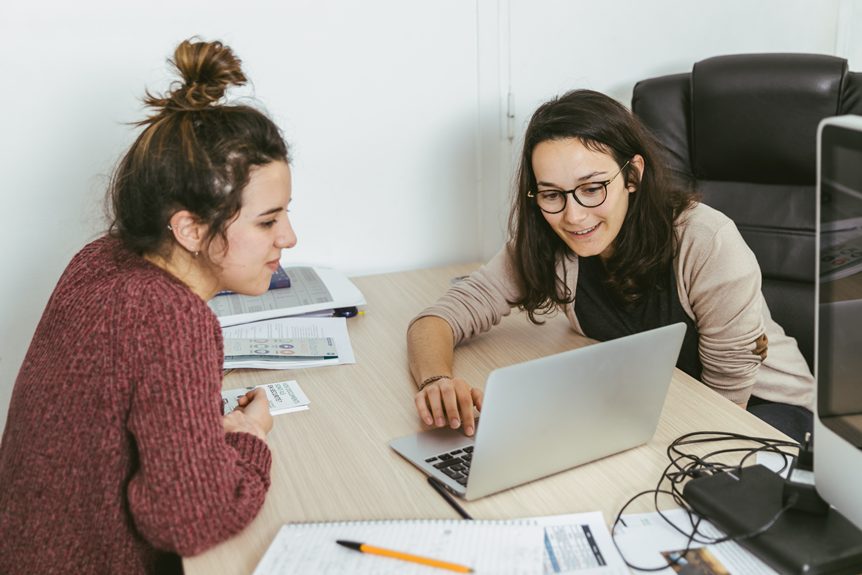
<point>685,466</point>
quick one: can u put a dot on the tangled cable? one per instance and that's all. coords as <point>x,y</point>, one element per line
<point>684,466</point>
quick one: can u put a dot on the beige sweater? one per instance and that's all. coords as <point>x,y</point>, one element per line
<point>718,280</point>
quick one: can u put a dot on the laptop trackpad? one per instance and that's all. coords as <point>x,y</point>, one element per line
<point>433,442</point>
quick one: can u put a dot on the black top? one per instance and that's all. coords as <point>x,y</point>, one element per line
<point>603,319</point>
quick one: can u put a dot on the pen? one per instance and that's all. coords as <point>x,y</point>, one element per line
<point>363,548</point>
<point>442,491</point>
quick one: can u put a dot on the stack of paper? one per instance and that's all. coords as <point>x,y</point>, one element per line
<point>276,353</point>
<point>294,327</point>
<point>288,313</point>
<point>311,289</point>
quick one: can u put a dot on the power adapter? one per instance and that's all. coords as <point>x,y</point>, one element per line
<point>742,502</point>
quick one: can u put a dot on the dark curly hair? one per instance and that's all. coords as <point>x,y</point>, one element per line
<point>194,153</point>
<point>646,244</point>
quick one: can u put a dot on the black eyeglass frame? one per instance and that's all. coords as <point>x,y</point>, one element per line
<point>604,185</point>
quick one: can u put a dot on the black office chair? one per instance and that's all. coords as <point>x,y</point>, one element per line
<point>745,128</point>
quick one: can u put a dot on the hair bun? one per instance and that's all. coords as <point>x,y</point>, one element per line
<point>207,70</point>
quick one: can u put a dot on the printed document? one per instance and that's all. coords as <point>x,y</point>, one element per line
<point>579,543</point>
<point>311,289</point>
<point>294,327</point>
<point>283,397</point>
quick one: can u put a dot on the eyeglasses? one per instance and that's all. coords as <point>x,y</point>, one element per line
<point>589,195</point>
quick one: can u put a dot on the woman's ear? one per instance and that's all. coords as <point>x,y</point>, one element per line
<point>637,162</point>
<point>188,231</point>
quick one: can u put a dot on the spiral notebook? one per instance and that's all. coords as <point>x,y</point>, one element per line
<point>513,546</point>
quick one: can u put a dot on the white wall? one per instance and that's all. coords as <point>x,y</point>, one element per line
<point>609,47</point>
<point>396,111</point>
<point>377,98</point>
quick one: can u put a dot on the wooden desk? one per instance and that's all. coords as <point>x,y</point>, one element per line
<point>333,462</point>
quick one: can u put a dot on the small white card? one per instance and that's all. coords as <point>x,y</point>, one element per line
<point>284,397</point>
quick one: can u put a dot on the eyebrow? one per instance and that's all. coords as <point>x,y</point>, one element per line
<point>587,178</point>
<point>268,212</point>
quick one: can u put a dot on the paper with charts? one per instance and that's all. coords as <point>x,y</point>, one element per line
<point>295,327</point>
<point>579,543</point>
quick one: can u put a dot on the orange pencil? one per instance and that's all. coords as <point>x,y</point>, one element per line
<point>362,547</point>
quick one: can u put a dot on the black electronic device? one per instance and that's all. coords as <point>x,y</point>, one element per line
<point>799,490</point>
<point>744,501</point>
<point>838,358</point>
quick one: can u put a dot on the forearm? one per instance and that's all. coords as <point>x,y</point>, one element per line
<point>182,448</point>
<point>223,487</point>
<point>723,282</point>
<point>429,348</point>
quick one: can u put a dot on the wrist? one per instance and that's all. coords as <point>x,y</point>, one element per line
<point>256,429</point>
<point>432,379</point>
<point>239,422</point>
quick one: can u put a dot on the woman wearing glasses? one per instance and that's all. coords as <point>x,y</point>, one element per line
<point>602,231</point>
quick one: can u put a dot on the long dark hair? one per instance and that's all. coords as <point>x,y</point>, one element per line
<point>646,244</point>
<point>193,154</point>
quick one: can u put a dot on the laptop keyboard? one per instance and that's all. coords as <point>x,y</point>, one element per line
<point>455,464</point>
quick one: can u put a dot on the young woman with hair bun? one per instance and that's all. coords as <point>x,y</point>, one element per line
<point>600,230</point>
<point>116,457</point>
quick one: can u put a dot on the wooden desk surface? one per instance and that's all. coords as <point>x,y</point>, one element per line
<point>333,462</point>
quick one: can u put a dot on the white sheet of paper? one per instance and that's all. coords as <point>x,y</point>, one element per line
<point>498,547</point>
<point>291,327</point>
<point>646,535</point>
<point>283,397</point>
<point>580,543</point>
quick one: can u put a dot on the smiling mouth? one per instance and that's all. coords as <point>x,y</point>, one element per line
<point>585,232</point>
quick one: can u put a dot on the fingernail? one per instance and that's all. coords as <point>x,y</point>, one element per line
<point>455,424</point>
<point>441,422</point>
<point>469,431</point>
<point>429,421</point>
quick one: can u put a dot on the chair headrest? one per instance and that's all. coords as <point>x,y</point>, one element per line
<point>754,116</point>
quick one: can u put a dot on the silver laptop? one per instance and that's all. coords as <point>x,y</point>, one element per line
<point>554,413</point>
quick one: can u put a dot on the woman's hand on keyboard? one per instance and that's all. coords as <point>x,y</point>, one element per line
<point>451,399</point>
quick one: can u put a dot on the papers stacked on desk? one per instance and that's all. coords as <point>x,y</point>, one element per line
<point>266,353</point>
<point>311,289</point>
<point>291,312</point>
<point>294,327</point>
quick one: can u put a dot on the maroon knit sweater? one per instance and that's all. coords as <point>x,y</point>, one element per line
<point>114,451</point>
